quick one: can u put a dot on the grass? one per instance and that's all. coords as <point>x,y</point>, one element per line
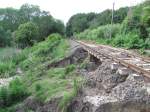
<point>101,35</point>
<point>7,52</point>
<point>68,96</point>
<point>41,82</point>
<point>14,92</point>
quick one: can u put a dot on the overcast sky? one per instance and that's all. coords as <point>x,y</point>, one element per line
<point>64,9</point>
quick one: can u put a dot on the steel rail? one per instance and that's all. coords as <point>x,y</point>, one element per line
<point>128,65</point>
<point>146,59</point>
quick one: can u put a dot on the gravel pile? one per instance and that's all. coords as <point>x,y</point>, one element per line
<point>108,91</point>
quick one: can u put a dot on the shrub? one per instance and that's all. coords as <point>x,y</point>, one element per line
<point>100,32</point>
<point>147,43</point>
<point>68,96</point>
<point>45,47</point>
<point>38,87</point>
<point>16,91</point>
<point>6,68</point>
<point>130,41</point>
<point>9,63</point>
<point>5,37</point>
<point>4,96</point>
<point>26,35</point>
<point>69,69</point>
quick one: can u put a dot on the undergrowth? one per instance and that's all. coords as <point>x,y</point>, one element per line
<point>39,81</point>
<point>101,35</point>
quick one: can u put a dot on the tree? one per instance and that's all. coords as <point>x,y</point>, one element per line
<point>26,35</point>
<point>5,37</point>
<point>146,16</point>
<point>76,24</point>
<point>9,19</point>
<point>48,25</point>
<point>79,22</point>
<point>29,12</point>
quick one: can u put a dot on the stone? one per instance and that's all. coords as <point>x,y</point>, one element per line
<point>138,77</point>
<point>123,71</point>
<point>147,85</point>
<point>114,66</point>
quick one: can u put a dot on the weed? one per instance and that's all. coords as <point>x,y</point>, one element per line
<point>15,92</point>
<point>68,96</point>
<point>69,69</point>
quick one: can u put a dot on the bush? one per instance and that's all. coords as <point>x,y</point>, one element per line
<point>68,96</point>
<point>69,69</point>
<point>130,41</point>
<point>5,37</point>
<point>26,35</point>
<point>6,67</point>
<point>147,43</point>
<point>45,47</point>
<point>8,63</point>
<point>100,32</point>
<point>16,91</point>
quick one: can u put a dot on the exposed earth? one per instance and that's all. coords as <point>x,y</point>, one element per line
<point>104,90</point>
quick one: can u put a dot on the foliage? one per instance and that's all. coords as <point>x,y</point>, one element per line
<point>7,52</point>
<point>48,25</point>
<point>138,20</point>
<point>34,62</point>
<point>26,35</point>
<point>5,37</point>
<point>31,56</point>
<point>130,41</point>
<point>101,32</point>
<point>80,22</point>
<point>11,19</point>
<point>15,92</point>
<point>9,59</point>
<point>69,69</point>
<point>54,81</point>
<point>68,96</point>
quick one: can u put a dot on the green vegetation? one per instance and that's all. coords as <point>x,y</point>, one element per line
<point>8,52</point>
<point>80,22</point>
<point>132,33</point>
<point>39,81</point>
<point>28,21</point>
<point>102,32</point>
<point>26,34</point>
<point>42,42</point>
<point>68,96</point>
<point>5,37</point>
<point>16,91</point>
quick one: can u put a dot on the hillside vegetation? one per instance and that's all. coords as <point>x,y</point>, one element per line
<point>31,40</point>
<point>132,31</point>
<point>37,80</point>
<point>29,24</point>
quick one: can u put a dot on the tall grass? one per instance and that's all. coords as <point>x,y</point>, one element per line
<point>8,63</point>
<point>16,91</point>
<point>102,34</point>
<point>68,96</point>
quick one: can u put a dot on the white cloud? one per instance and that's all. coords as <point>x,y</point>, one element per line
<point>64,9</point>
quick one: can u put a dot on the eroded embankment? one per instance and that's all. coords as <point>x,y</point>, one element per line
<point>75,57</point>
<point>106,90</point>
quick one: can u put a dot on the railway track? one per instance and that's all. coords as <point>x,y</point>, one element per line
<point>136,63</point>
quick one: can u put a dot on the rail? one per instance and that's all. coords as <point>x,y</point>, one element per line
<point>98,54</point>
